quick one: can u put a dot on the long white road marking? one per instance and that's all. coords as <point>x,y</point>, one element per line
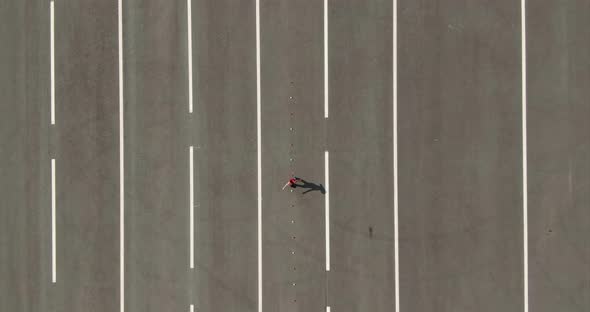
<point>524,160</point>
<point>121,164</point>
<point>395,168</point>
<point>53,237</point>
<point>326,93</point>
<point>327,178</point>
<point>192,208</point>
<point>190,56</point>
<point>192,308</point>
<point>259,156</point>
<point>328,309</point>
<point>52,61</point>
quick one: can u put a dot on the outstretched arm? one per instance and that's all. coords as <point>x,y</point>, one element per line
<point>286,185</point>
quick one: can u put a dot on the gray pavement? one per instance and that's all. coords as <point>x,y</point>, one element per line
<point>156,156</point>
<point>361,156</point>
<point>460,185</point>
<point>24,156</point>
<point>86,156</point>
<point>223,131</point>
<point>293,254</point>
<point>460,156</point>
<point>559,149</point>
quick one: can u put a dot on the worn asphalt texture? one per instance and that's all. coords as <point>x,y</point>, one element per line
<point>460,152</point>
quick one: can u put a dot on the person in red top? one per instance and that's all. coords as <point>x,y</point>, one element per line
<point>292,182</point>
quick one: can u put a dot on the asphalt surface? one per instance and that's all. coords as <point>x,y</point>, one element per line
<point>460,193</point>
<point>459,143</point>
<point>360,141</point>
<point>559,149</point>
<point>156,156</point>
<point>85,149</point>
<point>25,268</point>
<point>223,132</point>
<point>293,136</point>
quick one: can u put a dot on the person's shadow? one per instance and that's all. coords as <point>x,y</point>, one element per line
<point>310,186</point>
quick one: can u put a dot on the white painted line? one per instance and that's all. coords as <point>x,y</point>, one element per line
<point>395,164</point>
<point>259,154</point>
<point>192,208</point>
<point>327,178</point>
<point>326,92</point>
<point>121,163</point>
<point>524,160</point>
<point>190,56</point>
<point>52,61</point>
<point>53,237</point>
<point>328,309</point>
<point>192,308</point>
